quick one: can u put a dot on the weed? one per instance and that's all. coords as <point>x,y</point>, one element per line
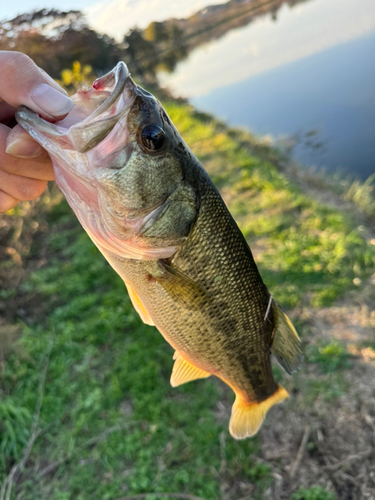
<point>15,422</point>
<point>313,493</point>
<point>363,194</point>
<point>329,357</point>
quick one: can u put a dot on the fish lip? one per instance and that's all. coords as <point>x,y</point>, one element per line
<point>31,120</point>
<point>120,74</point>
<point>26,116</point>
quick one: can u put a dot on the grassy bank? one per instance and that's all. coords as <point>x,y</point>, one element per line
<point>110,426</point>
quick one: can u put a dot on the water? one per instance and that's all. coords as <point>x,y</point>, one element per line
<point>309,76</point>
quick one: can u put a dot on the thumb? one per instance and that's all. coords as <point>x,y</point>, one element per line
<point>23,83</point>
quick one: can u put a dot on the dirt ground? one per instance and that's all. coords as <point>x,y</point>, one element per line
<point>331,441</point>
<point>331,444</point>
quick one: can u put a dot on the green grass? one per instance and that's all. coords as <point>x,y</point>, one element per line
<point>330,357</point>
<point>108,369</point>
<point>313,493</point>
<point>310,253</point>
<point>110,421</point>
<point>362,194</point>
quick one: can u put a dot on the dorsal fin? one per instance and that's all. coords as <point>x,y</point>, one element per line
<point>286,343</point>
<point>183,371</point>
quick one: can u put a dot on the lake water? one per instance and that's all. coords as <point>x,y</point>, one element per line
<point>309,75</point>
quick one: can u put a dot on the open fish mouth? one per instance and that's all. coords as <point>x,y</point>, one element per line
<point>96,112</point>
<point>93,135</point>
<point>91,149</point>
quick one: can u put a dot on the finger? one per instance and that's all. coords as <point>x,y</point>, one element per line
<point>7,202</point>
<point>22,82</point>
<point>20,144</point>
<point>39,168</point>
<point>21,188</point>
<point>6,112</point>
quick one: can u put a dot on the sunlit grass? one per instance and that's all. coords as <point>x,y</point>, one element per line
<point>113,425</point>
<point>107,368</point>
<point>312,253</point>
<point>313,493</point>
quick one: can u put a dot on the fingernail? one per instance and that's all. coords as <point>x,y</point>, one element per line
<point>51,101</point>
<point>52,81</point>
<point>23,148</point>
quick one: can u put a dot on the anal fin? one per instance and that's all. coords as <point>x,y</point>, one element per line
<point>247,418</point>
<point>286,343</point>
<point>183,371</point>
<point>139,307</point>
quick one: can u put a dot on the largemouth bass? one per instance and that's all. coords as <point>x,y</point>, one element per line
<point>156,216</point>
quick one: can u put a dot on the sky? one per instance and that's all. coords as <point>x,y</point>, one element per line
<point>305,29</point>
<point>114,17</point>
<point>11,9</point>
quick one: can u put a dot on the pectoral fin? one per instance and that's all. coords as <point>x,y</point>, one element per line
<point>184,290</point>
<point>183,371</point>
<point>286,343</point>
<point>139,307</point>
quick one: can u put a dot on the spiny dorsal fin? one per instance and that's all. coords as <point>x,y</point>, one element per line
<point>183,371</point>
<point>184,290</point>
<point>286,343</point>
<point>139,307</point>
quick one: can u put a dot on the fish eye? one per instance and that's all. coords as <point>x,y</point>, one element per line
<point>152,137</point>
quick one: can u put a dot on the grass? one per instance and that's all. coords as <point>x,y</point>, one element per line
<point>330,357</point>
<point>313,493</point>
<point>107,369</point>
<point>362,194</point>
<point>310,253</point>
<point>110,423</point>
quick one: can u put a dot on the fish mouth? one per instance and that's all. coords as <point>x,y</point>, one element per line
<point>95,114</point>
<point>94,133</point>
<point>93,141</point>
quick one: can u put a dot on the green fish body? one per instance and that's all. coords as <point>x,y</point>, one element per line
<point>154,213</point>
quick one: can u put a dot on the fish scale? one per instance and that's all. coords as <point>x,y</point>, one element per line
<point>154,213</point>
<point>228,336</point>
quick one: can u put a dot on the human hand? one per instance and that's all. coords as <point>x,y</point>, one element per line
<point>25,166</point>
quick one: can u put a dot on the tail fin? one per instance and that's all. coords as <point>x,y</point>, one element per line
<point>247,418</point>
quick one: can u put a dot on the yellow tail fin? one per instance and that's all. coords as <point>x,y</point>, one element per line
<point>247,418</point>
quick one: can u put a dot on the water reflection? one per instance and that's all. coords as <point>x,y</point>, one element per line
<point>312,69</point>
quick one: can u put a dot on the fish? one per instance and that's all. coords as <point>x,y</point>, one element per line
<point>154,213</point>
